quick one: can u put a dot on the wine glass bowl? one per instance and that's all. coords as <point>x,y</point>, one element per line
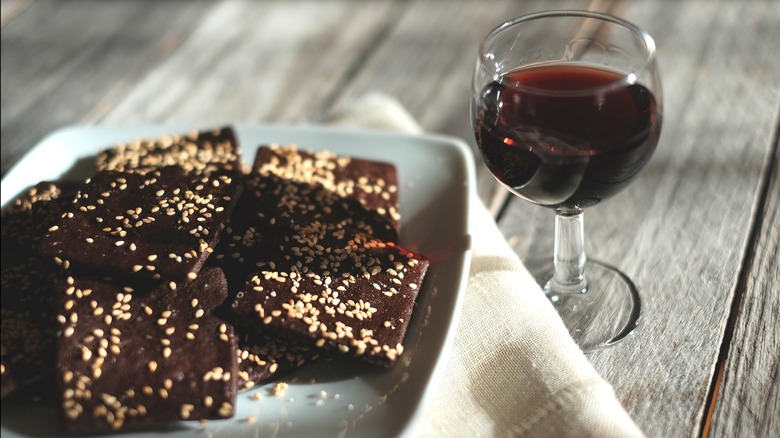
<point>566,109</point>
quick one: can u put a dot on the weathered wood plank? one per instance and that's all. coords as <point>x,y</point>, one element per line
<point>748,402</point>
<point>257,62</point>
<point>681,230</point>
<point>85,59</point>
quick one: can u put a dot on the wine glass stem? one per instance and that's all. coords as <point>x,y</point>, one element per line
<point>569,255</point>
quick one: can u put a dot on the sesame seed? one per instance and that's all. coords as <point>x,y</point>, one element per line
<point>279,389</point>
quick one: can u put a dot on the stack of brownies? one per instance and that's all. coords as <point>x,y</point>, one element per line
<point>174,278</point>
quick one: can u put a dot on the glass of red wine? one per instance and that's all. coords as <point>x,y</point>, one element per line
<point>566,110</point>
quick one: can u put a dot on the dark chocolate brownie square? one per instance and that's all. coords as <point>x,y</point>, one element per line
<point>162,224</point>
<point>201,152</point>
<point>130,358</point>
<point>18,231</point>
<point>335,289</point>
<point>263,358</point>
<point>294,187</point>
<point>28,332</point>
<point>238,244</point>
<point>27,338</point>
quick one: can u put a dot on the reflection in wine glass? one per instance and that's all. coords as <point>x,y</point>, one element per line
<point>566,109</point>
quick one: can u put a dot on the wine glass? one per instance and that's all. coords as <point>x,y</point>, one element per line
<point>566,109</point>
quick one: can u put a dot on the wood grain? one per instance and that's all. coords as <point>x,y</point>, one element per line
<point>84,61</point>
<point>257,62</point>
<point>748,401</point>
<point>682,229</point>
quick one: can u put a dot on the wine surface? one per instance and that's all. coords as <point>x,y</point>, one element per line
<point>565,136</point>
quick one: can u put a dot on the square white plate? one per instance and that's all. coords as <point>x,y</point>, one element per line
<point>436,174</point>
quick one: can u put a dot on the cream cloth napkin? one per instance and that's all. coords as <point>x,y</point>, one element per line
<point>514,370</point>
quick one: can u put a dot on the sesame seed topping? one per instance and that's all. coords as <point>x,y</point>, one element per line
<point>279,389</point>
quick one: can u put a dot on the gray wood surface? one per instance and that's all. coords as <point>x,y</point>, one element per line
<point>698,231</point>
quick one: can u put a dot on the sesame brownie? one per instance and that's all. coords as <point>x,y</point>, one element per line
<point>27,338</point>
<point>18,230</point>
<point>132,358</point>
<point>202,152</point>
<point>335,289</point>
<point>28,333</point>
<point>237,246</point>
<point>293,187</point>
<point>161,224</point>
<point>324,264</point>
<point>262,358</point>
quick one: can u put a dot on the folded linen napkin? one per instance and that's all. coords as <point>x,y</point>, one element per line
<point>514,370</point>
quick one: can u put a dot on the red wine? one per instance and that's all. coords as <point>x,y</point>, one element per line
<point>566,135</point>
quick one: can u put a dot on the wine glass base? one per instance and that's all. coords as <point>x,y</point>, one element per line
<point>606,313</point>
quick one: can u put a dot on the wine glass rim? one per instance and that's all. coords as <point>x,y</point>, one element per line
<point>626,77</point>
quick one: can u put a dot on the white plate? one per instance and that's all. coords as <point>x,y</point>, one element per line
<point>436,174</point>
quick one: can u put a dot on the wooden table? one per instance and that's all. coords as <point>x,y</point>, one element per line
<point>698,231</point>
